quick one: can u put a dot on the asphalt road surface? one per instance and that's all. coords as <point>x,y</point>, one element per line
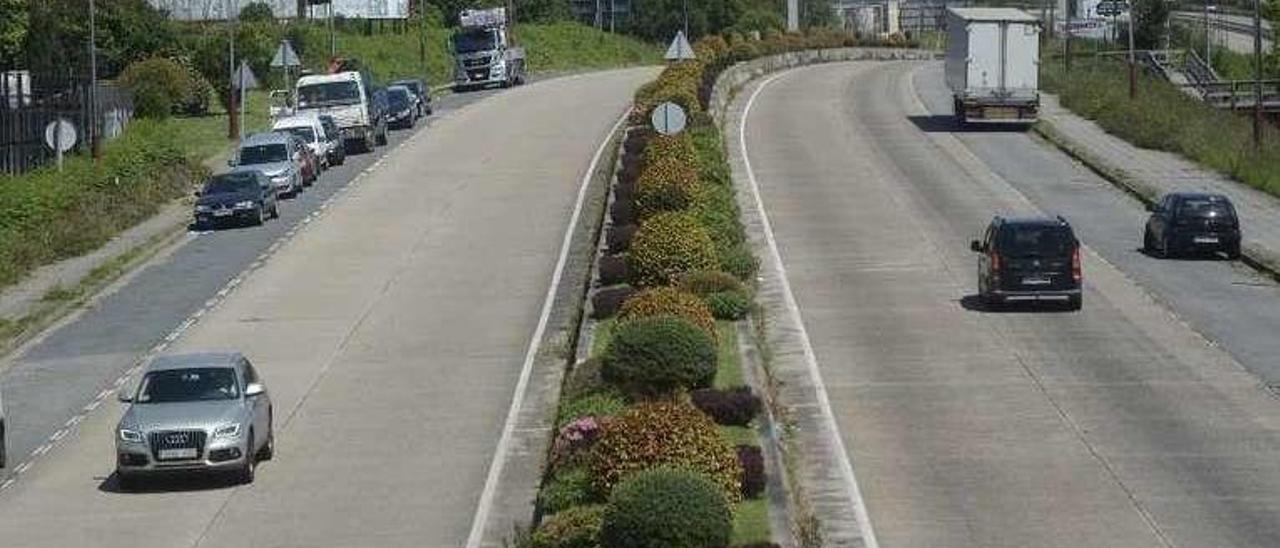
<point>390,331</point>
<point>1120,425</point>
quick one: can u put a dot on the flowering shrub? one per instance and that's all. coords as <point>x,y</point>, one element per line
<point>668,245</point>
<point>661,301</point>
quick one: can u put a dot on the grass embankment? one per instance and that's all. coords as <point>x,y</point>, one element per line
<point>550,48</point>
<point>1165,118</point>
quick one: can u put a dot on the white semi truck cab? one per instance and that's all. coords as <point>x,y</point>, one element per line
<point>484,51</point>
<point>993,64</point>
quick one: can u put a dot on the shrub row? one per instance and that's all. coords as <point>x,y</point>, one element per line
<point>663,470</point>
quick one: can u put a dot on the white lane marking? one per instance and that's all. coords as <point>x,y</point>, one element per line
<point>40,450</point>
<point>793,309</point>
<point>62,432</point>
<point>6,484</point>
<point>22,468</point>
<point>517,400</point>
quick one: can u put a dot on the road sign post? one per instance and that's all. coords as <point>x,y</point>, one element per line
<point>668,118</point>
<point>60,135</point>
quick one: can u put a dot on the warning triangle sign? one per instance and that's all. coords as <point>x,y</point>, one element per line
<point>285,56</point>
<point>680,49</point>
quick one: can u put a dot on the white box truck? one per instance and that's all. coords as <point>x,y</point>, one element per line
<point>484,51</point>
<point>993,63</point>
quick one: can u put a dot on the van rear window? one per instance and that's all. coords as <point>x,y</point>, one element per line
<point>1035,241</point>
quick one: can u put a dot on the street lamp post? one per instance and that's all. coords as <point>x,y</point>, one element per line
<point>233,121</point>
<point>95,140</point>
<point>1133,69</point>
<point>1257,75</point>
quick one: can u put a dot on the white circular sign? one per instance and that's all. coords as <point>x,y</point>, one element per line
<point>60,134</point>
<point>668,118</point>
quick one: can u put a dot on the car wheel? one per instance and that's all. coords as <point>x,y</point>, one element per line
<point>275,211</point>
<point>382,137</point>
<point>1233,252</point>
<point>260,216</point>
<point>268,450</point>
<point>1148,245</point>
<point>2,445</point>
<point>249,469</point>
<point>1075,302</point>
<point>1166,248</point>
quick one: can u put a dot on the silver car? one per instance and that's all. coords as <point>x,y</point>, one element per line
<point>195,412</point>
<point>273,155</point>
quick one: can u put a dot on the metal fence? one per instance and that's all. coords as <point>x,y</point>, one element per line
<point>28,106</point>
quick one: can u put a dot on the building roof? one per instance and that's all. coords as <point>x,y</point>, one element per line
<point>993,14</point>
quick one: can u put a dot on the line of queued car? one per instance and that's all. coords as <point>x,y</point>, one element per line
<point>279,164</point>
<point>1036,259</point>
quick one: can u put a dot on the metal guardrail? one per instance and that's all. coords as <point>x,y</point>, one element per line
<point>1225,24</point>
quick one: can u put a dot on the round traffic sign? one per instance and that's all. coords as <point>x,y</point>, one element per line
<point>668,118</point>
<point>60,135</point>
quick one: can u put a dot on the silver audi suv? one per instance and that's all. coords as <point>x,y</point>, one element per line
<point>195,412</point>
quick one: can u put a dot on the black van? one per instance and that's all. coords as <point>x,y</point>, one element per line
<point>1029,259</point>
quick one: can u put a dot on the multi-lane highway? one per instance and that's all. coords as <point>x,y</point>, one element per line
<point>1142,420</point>
<point>390,330</point>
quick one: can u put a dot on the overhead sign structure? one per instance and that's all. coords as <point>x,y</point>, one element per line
<point>680,50</point>
<point>668,118</point>
<point>285,56</point>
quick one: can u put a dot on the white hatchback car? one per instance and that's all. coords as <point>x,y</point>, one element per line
<point>308,128</point>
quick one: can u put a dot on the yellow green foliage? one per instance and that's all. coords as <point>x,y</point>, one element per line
<point>662,301</point>
<point>667,245</point>
<point>665,184</point>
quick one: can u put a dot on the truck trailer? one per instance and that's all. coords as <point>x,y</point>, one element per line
<point>993,63</point>
<point>484,51</point>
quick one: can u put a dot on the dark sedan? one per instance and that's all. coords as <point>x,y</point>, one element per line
<point>400,112</point>
<point>237,197</point>
<point>1191,222</point>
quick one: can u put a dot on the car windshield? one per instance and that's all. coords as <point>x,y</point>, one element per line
<point>474,40</point>
<point>232,183</point>
<point>410,85</point>
<point>305,133</point>
<point>398,98</point>
<point>263,154</point>
<point>185,385</point>
<point>1204,208</point>
<point>328,94</point>
<point>1035,241</point>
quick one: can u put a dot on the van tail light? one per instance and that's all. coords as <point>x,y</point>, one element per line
<point>995,263</point>
<point>1076,273</point>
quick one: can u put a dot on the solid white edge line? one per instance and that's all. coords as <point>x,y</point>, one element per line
<point>517,401</point>
<point>815,376</point>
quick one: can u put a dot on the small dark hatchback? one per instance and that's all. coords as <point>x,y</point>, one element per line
<point>1189,222</point>
<point>239,196</point>
<point>1029,259</point>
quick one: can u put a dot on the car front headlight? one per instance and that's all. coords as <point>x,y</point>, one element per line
<point>280,179</point>
<point>131,436</point>
<point>203,208</point>
<point>244,205</point>
<point>227,432</point>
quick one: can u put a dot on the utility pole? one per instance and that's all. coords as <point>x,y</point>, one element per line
<point>686,18</point>
<point>613,13</point>
<point>422,34</point>
<point>1257,75</point>
<point>95,140</point>
<point>233,121</point>
<point>1133,69</point>
<point>333,35</point>
<point>1208,55</point>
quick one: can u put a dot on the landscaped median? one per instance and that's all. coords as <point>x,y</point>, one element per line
<point>658,433</point>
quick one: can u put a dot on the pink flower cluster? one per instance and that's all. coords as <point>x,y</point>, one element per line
<point>574,437</point>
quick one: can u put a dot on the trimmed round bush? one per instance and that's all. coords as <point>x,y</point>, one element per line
<point>619,237</point>
<point>668,301</point>
<point>678,147</point>
<point>659,355</point>
<point>729,305</point>
<point>733,406</point>
<point>752,462</point>
<point>577,527</point>
<point>667,508</point>
<point>666,433</point>
<point>665,184</point>
<point>706,282</point>
<point>569,487</point>
<point>606,302</point>
<point>159,86</point>
<point>597,404</point>
<point>668,245</point>
<point>613,270</point>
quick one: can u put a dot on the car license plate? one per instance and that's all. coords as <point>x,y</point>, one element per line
<point>171,454</point>
<point>1205,240</point>
<point>1035,281</point>
<point>1001,113</point>
<point>221,212</point>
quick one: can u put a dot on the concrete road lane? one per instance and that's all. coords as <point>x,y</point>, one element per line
<point>1115,426</point>
<point>391,334</point>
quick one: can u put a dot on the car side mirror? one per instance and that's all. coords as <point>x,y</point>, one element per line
<point>254,389</point>
<point>124,397</point>
<point>975,246</point>
<point>197,193</point>
<point>231,162</point>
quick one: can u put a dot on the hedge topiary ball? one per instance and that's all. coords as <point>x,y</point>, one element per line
<point>577,527</point>
<point>667,433</point>
<point>668,245</point>
<point>678,147</point>
<point>659,355</point>
<point>667,507</point>
<point>666,184</point>
<point>668,301</point>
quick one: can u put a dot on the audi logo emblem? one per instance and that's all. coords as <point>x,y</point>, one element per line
<point>178,439</point>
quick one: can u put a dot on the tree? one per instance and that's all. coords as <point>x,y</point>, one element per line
<point>13,31</point>
<point>257,12</point>
<point>543,11</point>
<point>127,31</point>
<point>1150,20</point>
<point>817,13</point>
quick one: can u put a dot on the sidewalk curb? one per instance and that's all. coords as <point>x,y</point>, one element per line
<point>1251,254</point>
